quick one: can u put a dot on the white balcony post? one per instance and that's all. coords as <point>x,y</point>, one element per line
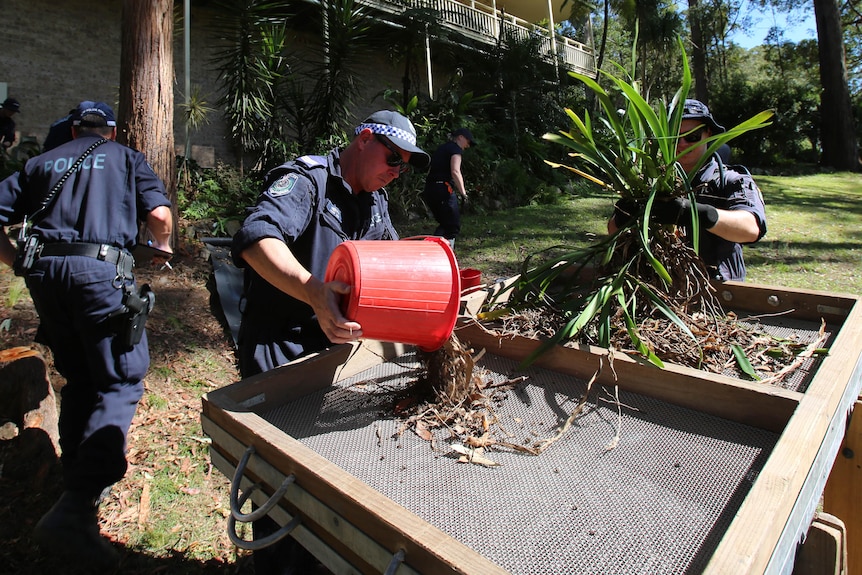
<point>496,20</point>
<point>428,63</point>
<point>553,34</point>
<point>324,6</point>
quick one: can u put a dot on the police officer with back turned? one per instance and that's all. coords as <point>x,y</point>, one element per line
<point>80,206</point>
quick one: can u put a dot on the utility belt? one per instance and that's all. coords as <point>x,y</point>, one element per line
<point>132,316</point>
<point>32,249</point>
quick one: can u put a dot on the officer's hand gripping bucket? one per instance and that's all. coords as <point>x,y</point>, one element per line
<point>404,291</point>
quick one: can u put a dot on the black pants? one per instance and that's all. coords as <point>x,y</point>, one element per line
<point>104,380</point>
<point>442,200</point>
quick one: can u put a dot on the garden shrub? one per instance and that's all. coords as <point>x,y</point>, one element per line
<point>218,195</point>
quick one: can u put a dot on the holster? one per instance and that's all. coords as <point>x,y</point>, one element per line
<point>132,316</point>
<point>28,250</point>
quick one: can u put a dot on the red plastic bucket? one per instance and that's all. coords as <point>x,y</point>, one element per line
<point>470,278</point>
<point>404,291</point>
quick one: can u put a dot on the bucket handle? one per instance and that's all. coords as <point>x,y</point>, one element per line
<point>237,501</point>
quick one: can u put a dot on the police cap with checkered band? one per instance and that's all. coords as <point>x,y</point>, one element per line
<point>400,131</point>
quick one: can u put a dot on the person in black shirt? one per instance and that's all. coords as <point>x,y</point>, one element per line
<point>443,180</point>
<point>8,108</point>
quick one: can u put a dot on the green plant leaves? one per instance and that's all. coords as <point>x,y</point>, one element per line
<point>743,362</point>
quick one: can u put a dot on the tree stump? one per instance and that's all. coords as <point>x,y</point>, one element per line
<point>29,433</point>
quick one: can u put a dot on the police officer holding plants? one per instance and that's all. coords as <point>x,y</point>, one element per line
<point>729,204</point>
<point>79,206</point>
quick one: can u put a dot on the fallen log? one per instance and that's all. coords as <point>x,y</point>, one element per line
<point>29,433</point>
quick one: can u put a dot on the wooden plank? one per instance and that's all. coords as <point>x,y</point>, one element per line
<point>758,405</point>
<point>843,493</point>
<point>374,556</point>
<point>797,303</point>
<point>303,376</point>
<point>825,549</point>
<point>394,527</point>
<point>779,507</point>
<point>328,532</point>
<point>326,555</point>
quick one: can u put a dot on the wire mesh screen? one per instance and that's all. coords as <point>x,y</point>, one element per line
<point>657,500</point>
<point>785,329</point>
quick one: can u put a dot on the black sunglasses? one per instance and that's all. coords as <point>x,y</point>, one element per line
<point>394,160</point>
<point>695,136</point>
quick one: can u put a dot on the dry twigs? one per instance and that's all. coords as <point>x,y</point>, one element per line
<point>452,393</point>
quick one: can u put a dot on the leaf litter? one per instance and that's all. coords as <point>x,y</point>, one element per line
<point>453,395</point>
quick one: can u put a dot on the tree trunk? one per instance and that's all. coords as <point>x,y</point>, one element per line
<point>837,136</point>
<point>30,435</point>
<point>698,53</point>
<point>146,114</point>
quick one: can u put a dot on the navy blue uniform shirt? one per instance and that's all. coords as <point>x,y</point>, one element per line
<point>103,209</point>
<point>727,189</point>
<point>307,205</point>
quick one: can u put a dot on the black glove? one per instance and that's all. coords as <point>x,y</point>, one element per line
<point>678,211</point>
<point>624,210</point>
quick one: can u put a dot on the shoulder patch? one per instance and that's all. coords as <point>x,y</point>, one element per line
<point>312,161</point>
<point>283,186</point>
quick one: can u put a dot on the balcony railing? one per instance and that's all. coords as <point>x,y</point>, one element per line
<point>482,23</point>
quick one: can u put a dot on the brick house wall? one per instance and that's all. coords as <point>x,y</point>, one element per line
<point>55,53</point>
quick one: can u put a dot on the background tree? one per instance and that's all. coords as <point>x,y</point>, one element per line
<point>840,148</point>
<point>838,137</point>
<point>146,110</point>
<point>658,24</point>
<point>251,62</point>
<point>698,52</point>
<point>346,36</point>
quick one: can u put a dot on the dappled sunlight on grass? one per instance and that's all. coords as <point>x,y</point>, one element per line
<point>814,239</point>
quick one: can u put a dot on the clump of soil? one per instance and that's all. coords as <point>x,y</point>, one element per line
<point>447,377</point>
<point>449,393</point>
<point>702,336</point>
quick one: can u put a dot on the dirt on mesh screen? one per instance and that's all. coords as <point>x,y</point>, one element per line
<point>168,514</point>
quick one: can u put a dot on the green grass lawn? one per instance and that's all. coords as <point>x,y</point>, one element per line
<point>814,237</point>
<point>815,233</point>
